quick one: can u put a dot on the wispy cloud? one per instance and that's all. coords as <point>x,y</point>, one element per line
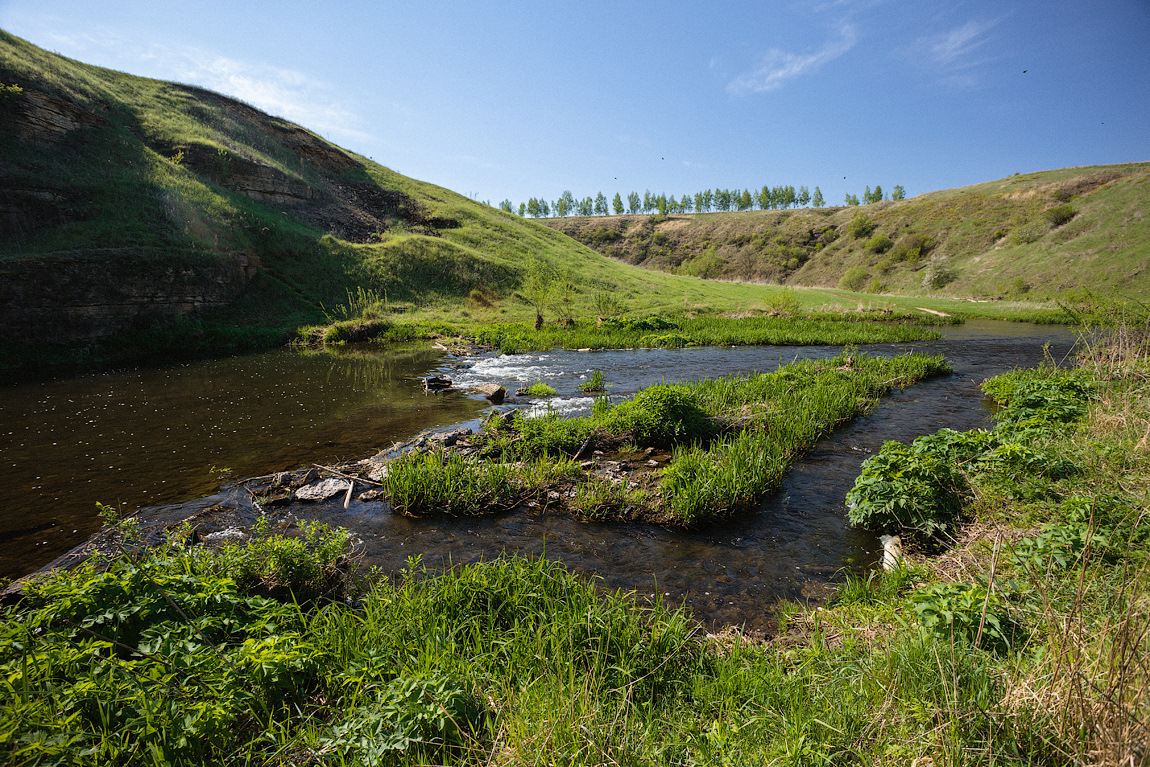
<point>953,56</point>
<point>777,66</point>
<point>283,92</point>
<point>694,165</point>
<point>956,47</point>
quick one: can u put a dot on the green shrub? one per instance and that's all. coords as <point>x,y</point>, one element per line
<point>876,286</point>
<point>300,567</point>
<point>912,247</point>
<point>668,341</point>
<point>880,243</point>
<point>541,390</point>
<point>908,492</point>
<point>782,300</point>
<point>938,277</point>
<point>968,612</point>
<point>1037,397</point>
<point>648,323</point>
<point>660,415</point>
<point>853,279</point>
<point>552,435</point>
<point>423,718</point>
<point>861,226</point>
<point>1060,215</point>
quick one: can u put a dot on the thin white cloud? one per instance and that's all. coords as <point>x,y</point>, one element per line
<point>694,165</point>
<point>953,56</point>
<point>282,92</point>
<point>955,47</point>
<point>777,67</point>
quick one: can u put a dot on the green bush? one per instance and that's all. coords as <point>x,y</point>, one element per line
<point>880,243</point>
<point>1036,397</point>
<point>1060,215</point>
<point>668,341</point>
<point>418,717</point>
<point>861,226</point>
<point>782,300</point>
<point>552,435</point>
<point>648,324</point>
<point>660,415</point>
<point>968,612</point>
<point>938,277</point>
<point>541,390</point>
<point>906,491</point>
<point>912,247</point>
<point>853,279</point>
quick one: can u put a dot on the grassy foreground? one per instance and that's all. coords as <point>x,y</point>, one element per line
<point>1016,644</point>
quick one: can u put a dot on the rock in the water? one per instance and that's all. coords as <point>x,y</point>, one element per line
<point>376,470</point>
<point>322,490</point>
<point>449,438</point>
<point>493,392</point>
<point>436,383</point>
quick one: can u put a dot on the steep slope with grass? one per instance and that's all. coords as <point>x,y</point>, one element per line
<point>141,217</point>
<point>1037,235</point>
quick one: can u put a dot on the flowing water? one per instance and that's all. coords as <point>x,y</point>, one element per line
<point>151,437</point>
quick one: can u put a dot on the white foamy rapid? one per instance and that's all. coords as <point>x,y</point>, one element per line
<point>559,406</point>
<point>509,368</point>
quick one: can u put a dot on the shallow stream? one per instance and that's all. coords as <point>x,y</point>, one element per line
<point>145,438</point>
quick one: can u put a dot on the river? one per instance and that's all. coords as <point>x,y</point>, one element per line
<point>163,438</point>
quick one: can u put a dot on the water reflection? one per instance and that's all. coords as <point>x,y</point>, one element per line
<point>152,436</point>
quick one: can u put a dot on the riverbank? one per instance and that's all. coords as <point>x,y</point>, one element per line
<point>1016,643</point>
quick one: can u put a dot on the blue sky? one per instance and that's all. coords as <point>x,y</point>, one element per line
<point>514,100</point>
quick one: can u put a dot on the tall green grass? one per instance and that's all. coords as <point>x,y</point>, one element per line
<point>512,338</point>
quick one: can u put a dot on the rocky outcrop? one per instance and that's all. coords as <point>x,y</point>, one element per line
<point>46,119</point>
<point>84,296</point>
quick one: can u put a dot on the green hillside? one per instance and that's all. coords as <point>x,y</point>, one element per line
<point>141,217</point>
<point>1035,235</point>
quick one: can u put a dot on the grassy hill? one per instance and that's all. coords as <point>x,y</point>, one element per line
<point>1035,235</point>
<point>141,217</point>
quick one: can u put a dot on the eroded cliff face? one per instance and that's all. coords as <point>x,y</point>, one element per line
<point>78,297</point>
<point>93,290</point>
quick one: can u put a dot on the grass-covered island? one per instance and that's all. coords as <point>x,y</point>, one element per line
<point>678,454</point>
<point>1015,632</point>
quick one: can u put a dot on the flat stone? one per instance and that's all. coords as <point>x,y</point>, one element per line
<point>377,472</point>
<point>322,490</point>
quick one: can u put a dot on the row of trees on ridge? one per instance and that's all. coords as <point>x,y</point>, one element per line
<point>767,198</point>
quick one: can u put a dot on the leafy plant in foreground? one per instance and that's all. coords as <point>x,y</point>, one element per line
<point>906,491</point>
<point>968,612</point>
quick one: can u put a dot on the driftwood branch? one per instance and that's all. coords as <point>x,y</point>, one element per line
<point>340,474</point>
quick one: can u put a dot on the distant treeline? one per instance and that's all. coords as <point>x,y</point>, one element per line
<point>767,198</point>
